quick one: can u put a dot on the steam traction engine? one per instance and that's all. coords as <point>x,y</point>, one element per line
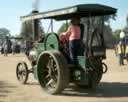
<point>50,64</point>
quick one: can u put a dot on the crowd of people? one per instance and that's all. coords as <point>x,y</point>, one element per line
<point>12,47</point>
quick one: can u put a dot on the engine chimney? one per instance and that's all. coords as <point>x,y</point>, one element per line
<point>35,7</point>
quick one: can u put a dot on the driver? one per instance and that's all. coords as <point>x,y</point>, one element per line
<point>73,36</point>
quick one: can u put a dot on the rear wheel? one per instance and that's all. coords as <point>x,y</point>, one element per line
<point>96,73</point>
<point>52,71</point>
<point>94,78</point>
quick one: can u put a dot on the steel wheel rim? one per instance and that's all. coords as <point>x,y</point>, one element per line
<point>21,72</point>
<point>50,74</point>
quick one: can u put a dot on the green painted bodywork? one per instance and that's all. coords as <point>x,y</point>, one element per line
<point>35,72</point>
<point>52,42</point>
<point>81,74</point>
<point>87,64</point>
<point>83,62</point>
<point>39,48</point>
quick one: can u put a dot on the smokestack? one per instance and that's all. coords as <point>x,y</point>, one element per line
<point>35,7</point>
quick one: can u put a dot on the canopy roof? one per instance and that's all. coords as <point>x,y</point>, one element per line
<point>83,10</point>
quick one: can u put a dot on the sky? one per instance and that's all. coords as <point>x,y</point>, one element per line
<point>11,10</point>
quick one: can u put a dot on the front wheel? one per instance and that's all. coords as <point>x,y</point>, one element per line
<point>22,72</point>
<point>52,71</point>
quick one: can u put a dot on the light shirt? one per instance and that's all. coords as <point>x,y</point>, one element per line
<point>73,32</point>
<point>126,49</point>
<point>120,49</point>
<point>122,35</point>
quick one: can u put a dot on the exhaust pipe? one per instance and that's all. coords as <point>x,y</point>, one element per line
<point>35,5</point>
<point>35,8</point>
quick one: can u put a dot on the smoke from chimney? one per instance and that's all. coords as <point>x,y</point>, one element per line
<point>35,5</point>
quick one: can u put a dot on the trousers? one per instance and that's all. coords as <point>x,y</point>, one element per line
<point>74,50</point>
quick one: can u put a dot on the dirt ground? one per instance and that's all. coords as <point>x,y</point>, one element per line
<point>113,86</point>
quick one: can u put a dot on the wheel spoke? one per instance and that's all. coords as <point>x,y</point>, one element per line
<point>21,77</point>
<point>52,62</point>
<point>22,72</point>
<point>20,68</point>
<point>49,82</point>
<point>19,74</point>
<point>55,69</point>
<point>48,66</point>
<point>47,76</point>
<point>45,70</point>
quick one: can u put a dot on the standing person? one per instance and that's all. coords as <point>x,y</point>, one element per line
<point>122,40</point>
<point>13,47</point>
<point>5,49</point>
<point>120,53</point>
<point>29,46</point>
<point>127,52</point>
<point>73,36</point>
<point>21,47</point>
<point>122,37</point>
